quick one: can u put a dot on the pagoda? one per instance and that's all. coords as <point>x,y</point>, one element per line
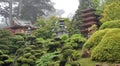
<point>21,26</point>
<point>89,19</point>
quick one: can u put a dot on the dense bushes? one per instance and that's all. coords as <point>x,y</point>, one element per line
<point>5,59</point>
<point>111,24</point>
<point>94,40</point>
<point>67,49</point>
<point>109,47</point>
<point>76,41</point>
<point>104,45</point>
<point>5,42</point>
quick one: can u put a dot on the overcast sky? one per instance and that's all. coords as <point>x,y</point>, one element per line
<point>69,6</point>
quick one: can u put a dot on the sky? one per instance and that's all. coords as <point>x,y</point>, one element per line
<point>69,6</point>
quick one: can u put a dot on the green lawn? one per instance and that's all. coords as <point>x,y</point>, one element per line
<point>88,62</point>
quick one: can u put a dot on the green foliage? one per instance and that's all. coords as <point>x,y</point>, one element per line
<point>23,60</point>
<point>111,11</point>
<point>76,41</point>
<point>76,55</point>
<point>111,24</point>
<point>75,63</point>
<point>108,48</point>
<point>25,65</point>
<point>77,38</point>
<point>64,37</point>
<point>94,40</point>
<point>46,27</point>
<point>5,33</point>
<point>21,34</point>
<point>5,40</point>
<point>46,59</point>
<point>5,59</point>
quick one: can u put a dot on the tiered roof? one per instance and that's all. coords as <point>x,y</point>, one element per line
<point>89,18</point>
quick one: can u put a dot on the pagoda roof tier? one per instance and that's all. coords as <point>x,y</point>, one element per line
<point>88,14</point>
<point>89,19</point>
<point>84,31</point>
<point>88,10</point>
<point>20,26</point>
<point>88,24</point>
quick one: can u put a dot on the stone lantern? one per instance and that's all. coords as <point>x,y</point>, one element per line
<point>62,30</point>
<point>28,31</point>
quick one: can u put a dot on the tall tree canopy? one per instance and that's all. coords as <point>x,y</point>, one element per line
<point>111,10</point>
<point>29,9</point>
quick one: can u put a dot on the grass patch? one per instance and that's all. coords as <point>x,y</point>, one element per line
<point>89,62</point>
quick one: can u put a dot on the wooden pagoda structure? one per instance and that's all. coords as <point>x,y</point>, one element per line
<point>21,26</point>
<point>89,19</point>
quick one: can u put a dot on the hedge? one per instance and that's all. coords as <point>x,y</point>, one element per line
<point>111,24</point>
<point>94,40</point>
<point>109,47</point>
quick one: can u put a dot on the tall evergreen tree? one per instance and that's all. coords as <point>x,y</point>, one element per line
<point>32,9</point>
<point>27,9</point>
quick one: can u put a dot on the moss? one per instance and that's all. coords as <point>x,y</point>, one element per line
<point>111,24</point>
<point>109,47</point>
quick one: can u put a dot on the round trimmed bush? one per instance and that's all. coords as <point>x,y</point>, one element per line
<point>94,40</point>
<point>111,24</point>
<point>108,48</point>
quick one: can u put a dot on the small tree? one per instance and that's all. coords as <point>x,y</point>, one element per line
<point>111,11</point>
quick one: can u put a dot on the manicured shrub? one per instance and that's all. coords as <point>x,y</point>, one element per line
<point>25,65</point>
<point>108,48</point>
<point>21,34</point>
<point>38,55</point>
<point>4,57</point>
<point>78,38</point>
<point>23,60</point>
<point>27,55</point>
<point>94,40</point>
<point>1,52</point>
<point>76,41</point>
<point>5,33</point>
<point>8,62</point>
<point>67,52</point>
<point>75,55</point>
<point>64,37</point>
<point>111,24</point>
